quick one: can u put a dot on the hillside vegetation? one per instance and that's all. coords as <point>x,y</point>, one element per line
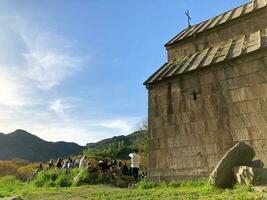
<point>117,147</point>
<point>23,145</point>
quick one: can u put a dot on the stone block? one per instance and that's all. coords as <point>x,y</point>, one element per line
<point>198,127</point>
<point>256,164</point>
<point>219,75</point>
<point>12,198</point>
<point>237,122</point>
<point>263,103</point>
<point>250,94</point>
<point>238,95</point>
<point>231,72</point>
<point>240,154</point>
<point>238,108</point>
<point>253,106</point>
<point>240,134</point>
<point>250,176</point>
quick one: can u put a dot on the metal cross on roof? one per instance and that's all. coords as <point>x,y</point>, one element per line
<point>188,18</point>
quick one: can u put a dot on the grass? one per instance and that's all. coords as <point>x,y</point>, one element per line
<point>10,186</point>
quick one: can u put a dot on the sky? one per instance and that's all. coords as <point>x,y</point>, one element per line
<point>74,70</point>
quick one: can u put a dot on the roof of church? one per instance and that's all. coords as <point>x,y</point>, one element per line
<point>225,51</point>
<point>219,20</point>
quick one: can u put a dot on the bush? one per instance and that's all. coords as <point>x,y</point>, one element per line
<point>82,178</point>
<point>77,177</point>
<point>106,178</point>
<point>46,178</point>
<point>25,173</point>
<point>64,179</point>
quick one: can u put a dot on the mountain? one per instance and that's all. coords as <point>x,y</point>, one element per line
<point>24,145</point>
<point>118,147</point>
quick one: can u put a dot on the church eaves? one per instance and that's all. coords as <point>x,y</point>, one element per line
<point>219,20</point>
<point>223,52</point>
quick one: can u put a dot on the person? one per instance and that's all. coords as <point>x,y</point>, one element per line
<point>135,161</point>
<point>106,165</point>
<point>90,167</point>
<point>114,163</point>
<point>65,164</point>
<point>82,162</point>
<point>119,167</point>
<point>59,163</point>
<point>101,165</point>
<point>51,164</point>
<point>70,163</point>
<point>39,168</point>
<point>76,163</point>
<point>125,170</point>
<point>144,174</point>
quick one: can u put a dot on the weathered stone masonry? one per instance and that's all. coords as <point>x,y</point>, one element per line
<point>204,100</point>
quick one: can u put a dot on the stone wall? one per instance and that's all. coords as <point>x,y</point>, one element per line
<point>242,26</point>
<point>195,118</point>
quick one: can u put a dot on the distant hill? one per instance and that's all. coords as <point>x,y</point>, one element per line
<point>24,145</point>
<point>117,147</point>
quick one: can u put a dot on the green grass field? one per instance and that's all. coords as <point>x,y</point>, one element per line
<point>9,186</point>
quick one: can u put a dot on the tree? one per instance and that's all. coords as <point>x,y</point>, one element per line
<point>142,139</point>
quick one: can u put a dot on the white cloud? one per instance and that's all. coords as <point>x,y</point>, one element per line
<point>48,60</point>
<point>123,125</point>
<point>57,106</point>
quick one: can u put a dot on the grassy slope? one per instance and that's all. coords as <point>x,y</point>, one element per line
<point>190,190</point>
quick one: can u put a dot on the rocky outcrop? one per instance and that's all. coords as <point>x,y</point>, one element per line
<point>239,155</point>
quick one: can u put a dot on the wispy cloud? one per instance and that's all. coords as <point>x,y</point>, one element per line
<point>48,64</point>
<point>33,62</point>
<point>57,106</point>
<point>122,125</point>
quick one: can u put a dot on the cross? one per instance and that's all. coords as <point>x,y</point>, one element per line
<point>188,18</point>
<point>194,94</point>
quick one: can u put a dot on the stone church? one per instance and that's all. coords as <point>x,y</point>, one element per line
<point>210,94</point>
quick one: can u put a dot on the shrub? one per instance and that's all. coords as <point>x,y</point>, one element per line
<point>8,168</point>
<point>64,179</point>
<point>25,173</point>
<point>46,178</point>
<point>17,167</point>
<point>83,177</point>
<point>106,178</point>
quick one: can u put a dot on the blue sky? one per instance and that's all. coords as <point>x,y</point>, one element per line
<point>73,70</point>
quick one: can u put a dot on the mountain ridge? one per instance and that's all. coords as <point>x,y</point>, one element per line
<point>24,145</point>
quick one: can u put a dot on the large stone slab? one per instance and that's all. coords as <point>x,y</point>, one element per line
<point>256,164</point>
<point>250,176</point>
<point>262,188</point>
<point>239,155</point>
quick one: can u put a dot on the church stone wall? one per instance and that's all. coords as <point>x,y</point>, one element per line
<point>211,38</point>
<point>190,133</point>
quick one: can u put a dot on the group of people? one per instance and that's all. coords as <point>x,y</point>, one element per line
<point>105,165</point>
<point>63,164</point>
